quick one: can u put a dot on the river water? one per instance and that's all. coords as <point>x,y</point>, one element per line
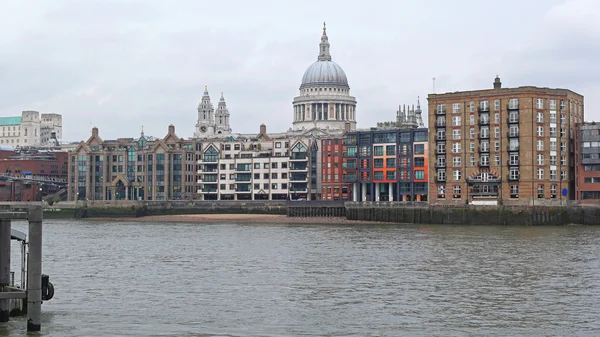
<point>146,279</point>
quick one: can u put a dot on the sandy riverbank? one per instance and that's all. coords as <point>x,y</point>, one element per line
<point>240,218</point>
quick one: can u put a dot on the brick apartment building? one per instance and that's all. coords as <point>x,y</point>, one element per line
<point>587,163</point>
<point>386,164</point>
<point>503,145</point>
<point>332,183</point>
<point>31,162</point>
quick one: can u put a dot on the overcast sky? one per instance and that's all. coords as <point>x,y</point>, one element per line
<point>119,65</point>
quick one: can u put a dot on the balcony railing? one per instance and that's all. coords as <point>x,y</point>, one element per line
<point>440,124</point>
<point>513,120</point>
<point>440,165</point>
<point>484,164</point>
<point>512,177</point>
<point>484,122</point>
<point>350,179</point>
<point>512,162</point>
<point>512,148</point>
<point>348,154</point>
<point>440,179</point>
<point>440,112</point>
<point>349,166</point>
<point>512,106</point>
<point>484,150</point>
<point>484,109</point>
<point>440,151</point>
<point>512,134</point>
<point>440,139</point>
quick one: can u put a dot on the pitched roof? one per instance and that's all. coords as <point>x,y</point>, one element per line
<point>10,120</point>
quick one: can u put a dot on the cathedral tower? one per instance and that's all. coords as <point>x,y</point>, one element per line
<point>222,118</point>
<point>206,117</point>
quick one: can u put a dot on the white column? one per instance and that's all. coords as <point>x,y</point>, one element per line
<point>391,192</point>
<point>376,191</point>
<point>364,192</point>
<point>355,192</point>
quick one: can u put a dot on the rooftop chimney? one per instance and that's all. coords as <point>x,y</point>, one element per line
<point>94,132</point>
<point>263,129</point>
<point>171,129</point>
<point>497,83</point>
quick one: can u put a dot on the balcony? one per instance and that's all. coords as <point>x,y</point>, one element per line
<point>512,148</point>
<point>208,190</point>
<point>440,179</point>
<point>483,109</point>
<point>512,134</point>
<point>512,177</point>
<point>484,150</point>
<point>440,139</point>
<point>440,124</point>
<point>350,179</point>
<point>347,154</point>
<point>512,162</point>
<point>206,180</point>
<point>483,136</point>
<point>298,178</point>
<point>349,166</point>
<point>484,121</point>
<point>440,112</point>
<point>440,165</point>
<point>298,168</point>
<point>438,151</point>
<point>484,164</point>
<point>512,107</point>
<point>298,157</point>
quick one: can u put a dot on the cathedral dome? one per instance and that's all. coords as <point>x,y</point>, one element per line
<point>324,72</point>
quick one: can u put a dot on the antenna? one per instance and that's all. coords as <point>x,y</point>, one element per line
<point>434,85</point>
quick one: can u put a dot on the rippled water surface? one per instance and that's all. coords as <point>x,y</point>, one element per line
<point>142,279</point>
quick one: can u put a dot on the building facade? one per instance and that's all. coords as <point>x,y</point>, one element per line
<point>503,145</point>
<point>333,186</point>
<point>144,168</point>
<point>386,164</point>
<point>587,163</point>
<point>47,165</point>
<point>258,167</point>
<point>324,101</point>
<point>30,129</point>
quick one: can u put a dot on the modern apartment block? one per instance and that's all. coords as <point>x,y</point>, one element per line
<point>258,168</point>
<point>143,168</point>
<point>503,145</point>
<point>587,163</point>
<point>332,183</point>
<point>386,164</point>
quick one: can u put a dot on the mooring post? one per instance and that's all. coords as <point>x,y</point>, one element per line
<point>34,269</point>
<point>4,267</point>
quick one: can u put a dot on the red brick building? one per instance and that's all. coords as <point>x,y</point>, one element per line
<point>332,185</point>
<point>35,163</point>
<point>587,163</point>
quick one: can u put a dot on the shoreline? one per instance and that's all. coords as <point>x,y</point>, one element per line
<point>240,219</point>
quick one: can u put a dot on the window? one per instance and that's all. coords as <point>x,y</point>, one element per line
<point>274,165</point>
<point>278,145</point>
<point>514,191</point>
<point>456,191</point>
<point>497,146</point>
<point>540,103</point>
<point>563,160</point>
<point>552,145</point>
<point>441,191</point>
<point>472,160</point>
<point>419,148</point>
<point>472,120</point>
<point>562,105</point>
<point>552,174</point>
<point>563,133</point>
<point>513,103</point>
<point>553,191</point>
<point>484,132</point>
<point>497,105</point>
<point>563,175</point>
<point>456,134</point>
<point>552,131</point>
<point>540,145</point>
<point>456,161</point>
<point>540,117</point>
<point>497,160</point>
<point>471,133</point>
<point>540,131</point>
<point>563,119</point>
<point>514,173</point>
<point>497,132</point>
<point>378,151</point>
<point>471,106</point>
<point>457,174</point>
<point>552,104</point>
<point>485,160</point>
<point>456,121</point>
<point>441,134</point>
<point>540,174</point>
<point>540,159</point>
<point>552,160</point>
<point>484,146</point>
<point>540,191</point>
<point>496,118</point>
<point>514,159</point>
<point>456,148</point>
<point>472,147</point>
<point>441,109</point>
<point>563,146</point>
<point>419,174</point>
<point>456,108</point>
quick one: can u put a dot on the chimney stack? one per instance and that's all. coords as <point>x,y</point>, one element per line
<point>95,131</point>
<point>263,129</point>
<point>497,83</point>
<point>171,129</point>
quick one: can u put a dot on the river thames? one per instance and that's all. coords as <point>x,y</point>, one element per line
<point>151,279</point>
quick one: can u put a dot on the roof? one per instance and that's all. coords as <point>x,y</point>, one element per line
<point>10,120</point>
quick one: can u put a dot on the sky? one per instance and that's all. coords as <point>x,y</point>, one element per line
<point>123,64</point>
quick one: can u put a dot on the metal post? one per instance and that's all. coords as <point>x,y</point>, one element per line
<point>4,267</point>
<point>34,269</point>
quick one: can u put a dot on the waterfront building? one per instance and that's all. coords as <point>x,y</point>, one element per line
<point>587,163</point>
<point>30,129</point>
<point>503,145</point>
<point>18,167</point>
<point>386,164</point>
<point>333,186</point>
<point>258,167</point>
<point>144,168</point>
